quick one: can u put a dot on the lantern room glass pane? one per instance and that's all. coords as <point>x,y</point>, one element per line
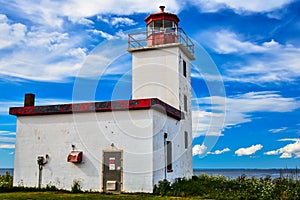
<point>150,28</point>
<point>168,24</point>
<point>158,25</point>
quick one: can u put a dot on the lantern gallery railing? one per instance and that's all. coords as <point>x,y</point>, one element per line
<point>159,37</point>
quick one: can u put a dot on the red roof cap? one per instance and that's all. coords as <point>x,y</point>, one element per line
<point>162,15</point>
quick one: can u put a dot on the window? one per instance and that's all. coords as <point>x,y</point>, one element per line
<point>185,103</point>
<point>158,25</point>
<point>169,24</point>
<point>150,28</point>
<point>184,68</point>
<point>169,156</point>
<point>186,139</point>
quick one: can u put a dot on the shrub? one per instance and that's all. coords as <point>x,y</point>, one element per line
<point>220,187</point>
<point>76,187</point>
<point>163,188</point>
<point>6,181</point>
<point>50,187</point>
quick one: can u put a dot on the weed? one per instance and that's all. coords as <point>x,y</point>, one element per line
<point>76,187</point>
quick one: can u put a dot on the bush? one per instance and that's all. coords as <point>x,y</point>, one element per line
<point>50,187</point>
<point>6,182</point>
<point>163,188</point>
<point>76,187</point>
<point>220,187</point>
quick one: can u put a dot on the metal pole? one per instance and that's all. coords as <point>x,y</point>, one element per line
<point>40,176</point>
<point>165,155</point>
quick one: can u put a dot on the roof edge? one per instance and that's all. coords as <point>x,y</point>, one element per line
<point>106,106</point>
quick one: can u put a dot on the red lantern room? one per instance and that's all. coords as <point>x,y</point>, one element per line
<point>161,30</point>
<point>162,27</point>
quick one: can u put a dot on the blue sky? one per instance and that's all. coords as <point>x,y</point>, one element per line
<point>45,48</point>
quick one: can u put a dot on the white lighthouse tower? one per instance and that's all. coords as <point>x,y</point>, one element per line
<point>161,69</point>
<point>123,145</point>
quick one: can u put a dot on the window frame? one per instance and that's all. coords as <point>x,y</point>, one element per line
<point>186,139</point>
<point>185,106</point>
<point>169,160</point>
<point>184,69</point>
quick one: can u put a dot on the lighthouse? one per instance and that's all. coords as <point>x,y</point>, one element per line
<point>123,145</point>
<point>161,69</point>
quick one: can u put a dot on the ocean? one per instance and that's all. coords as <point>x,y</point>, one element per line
<point>3,171</point>
<point>257,173</point>
<point>230,173</point>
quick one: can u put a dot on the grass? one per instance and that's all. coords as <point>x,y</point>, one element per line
<point>199,187</point>
<point>88,196</point>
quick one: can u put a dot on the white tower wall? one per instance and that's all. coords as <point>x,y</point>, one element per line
<point>155,74</point>
<point>158,72</point>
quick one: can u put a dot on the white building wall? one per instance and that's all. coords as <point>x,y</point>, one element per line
<point>92,133</point>
<point>154,74</point>
<point>139,134</point>
<point>186,123</point>
<point>181,157</point>
<point>158,72</point>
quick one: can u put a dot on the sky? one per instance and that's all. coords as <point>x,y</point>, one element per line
<point>253,49</point>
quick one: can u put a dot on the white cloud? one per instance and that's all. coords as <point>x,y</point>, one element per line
<point>217,152</point>
<point>290,139</point>
<point>103,34</point>
<point>52,13</point>
<point>226,42</point>
<point>289,150</point>
<point>207,123</point>
<point>117,21</point>
<point>47,54</point>
<point>7,139</point>
<point>278,130</point>
<point>238,110</point>
<point>103,18</point>
<point>51,40</point>
<point>248,151</point>
<point>45,13</point>
<point>3,18</point>
<point>240,6</point>
<point>273,152</point>
<point>44,49</point>
<point>277,62</point>
<point>11,33</point>
<point>44,56</point>
<point>264,101</point>
<point>4,139</point>
<point>75,9</point>
<point>7,133</point>
<point>286,155</point>
<point>85,21</point>
<point>199,149</point>
<point>122,21</point>
<point>7,146</point>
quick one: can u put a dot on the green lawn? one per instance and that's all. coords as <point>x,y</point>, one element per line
<point>64,195</point>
